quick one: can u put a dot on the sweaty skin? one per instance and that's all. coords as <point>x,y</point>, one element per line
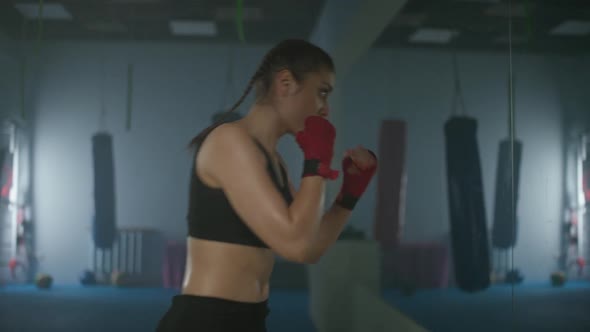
<point>238,272</point>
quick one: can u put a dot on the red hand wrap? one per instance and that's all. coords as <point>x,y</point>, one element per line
<point>317,142</point>
<point>354,184</point>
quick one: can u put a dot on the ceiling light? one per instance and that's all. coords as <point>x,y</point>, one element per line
<point>193,28</point>
<point>428,35</point>
<point>51,11</point>
<point>572,28</point>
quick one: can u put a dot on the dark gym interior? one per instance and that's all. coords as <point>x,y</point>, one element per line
<point>478,218</point>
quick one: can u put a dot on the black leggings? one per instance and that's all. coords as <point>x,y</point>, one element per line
<point>190,313</point>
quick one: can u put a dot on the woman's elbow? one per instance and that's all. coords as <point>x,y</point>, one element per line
<point>307,255</point>
<point>301,253</point>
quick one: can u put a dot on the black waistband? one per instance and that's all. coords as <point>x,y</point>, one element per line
<point>214,305</point>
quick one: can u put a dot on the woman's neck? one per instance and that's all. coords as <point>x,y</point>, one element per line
<point>264,124</point>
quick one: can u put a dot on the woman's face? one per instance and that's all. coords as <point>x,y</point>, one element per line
<point>299,100</point>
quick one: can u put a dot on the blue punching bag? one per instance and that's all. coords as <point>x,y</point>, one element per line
<point>104,226</point>
<point>469,238</point>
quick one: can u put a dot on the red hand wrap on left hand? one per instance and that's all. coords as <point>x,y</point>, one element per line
<point>354,184</point>
<point>317,142</point>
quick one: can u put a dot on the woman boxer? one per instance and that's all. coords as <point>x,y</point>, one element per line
<point>242,207</point>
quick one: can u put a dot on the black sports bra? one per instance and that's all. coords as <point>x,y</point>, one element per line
<point>211,216</point>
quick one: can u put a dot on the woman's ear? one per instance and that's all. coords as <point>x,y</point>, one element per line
<point>285,83</point>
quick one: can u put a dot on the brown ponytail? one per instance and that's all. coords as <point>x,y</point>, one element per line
<point>298,56</point>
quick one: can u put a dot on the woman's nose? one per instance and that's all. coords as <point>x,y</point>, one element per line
<point>324,111</point>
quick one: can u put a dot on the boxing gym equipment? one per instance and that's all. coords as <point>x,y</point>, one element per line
<point>575,246</point>
<point>584,222</point>
<point>136,252</point>
<point>104,226</point>
<point>391,183</point>
<point>558,279</point>
<point>44,281</point>
<point>504,230</point>
<point>17,269</point>
<point>469,238</point>
<point>354,183</point>
<point>586,173</point>
<point>468,226</point>
<point>129,96</point>
<point>120,279</point>
<point>16,238</point>
<point>7,248</point>
<point>6,161</point>
<point>513,277</point>
<point>88,278</point>
<point>317,142</point>
<point>505,222</point>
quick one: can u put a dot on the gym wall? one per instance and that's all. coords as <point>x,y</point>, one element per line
<point>418,87</point>
<point>178,87</point>
<point>9,80</point>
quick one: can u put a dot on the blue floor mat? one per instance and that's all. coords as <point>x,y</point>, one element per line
<point>535,307</point>
<point>527,307</point>
<point>110,309</point>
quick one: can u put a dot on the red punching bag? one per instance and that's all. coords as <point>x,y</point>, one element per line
<point>391,183</point>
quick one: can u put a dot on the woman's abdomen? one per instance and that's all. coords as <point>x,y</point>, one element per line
<point>229,271</point>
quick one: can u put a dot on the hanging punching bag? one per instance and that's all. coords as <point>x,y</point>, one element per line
<point>586,175</point>
<point>390,183</point>
<point>104,226</point>
<point>6,159</point>
<point>504,229</point>
<point>466,205</point>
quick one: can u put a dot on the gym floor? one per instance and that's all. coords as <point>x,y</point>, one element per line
<point>537,307</point>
